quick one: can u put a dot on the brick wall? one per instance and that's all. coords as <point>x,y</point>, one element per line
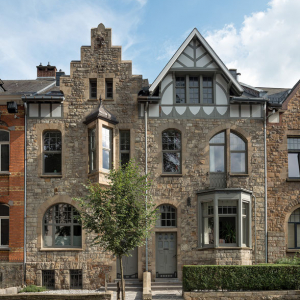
<point>12,185</point>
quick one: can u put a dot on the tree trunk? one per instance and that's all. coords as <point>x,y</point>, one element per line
<point>122,278</point>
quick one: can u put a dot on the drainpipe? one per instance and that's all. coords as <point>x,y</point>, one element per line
<point>25,190</point>
<point>146,172</point>
<point>266,183</point>
<point>255,244</point>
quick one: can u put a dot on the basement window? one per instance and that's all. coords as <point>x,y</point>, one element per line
<point>75,279</point>
<point>48,279</point>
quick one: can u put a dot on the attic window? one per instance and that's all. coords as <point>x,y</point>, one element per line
<point>180,90</point>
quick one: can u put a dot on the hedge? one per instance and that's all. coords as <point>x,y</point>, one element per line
<point>237,278</point>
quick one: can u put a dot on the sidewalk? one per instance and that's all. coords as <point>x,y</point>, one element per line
<point>165,295</point>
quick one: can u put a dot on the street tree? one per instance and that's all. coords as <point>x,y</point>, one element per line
<point>121,214</point>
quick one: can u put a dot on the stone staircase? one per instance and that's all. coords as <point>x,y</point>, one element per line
<point>162,285</point>
<point>130,286</point>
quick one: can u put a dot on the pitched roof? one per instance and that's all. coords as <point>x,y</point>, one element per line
<point>101,113</point>
<point>20,87</point>
<point>216,58</point>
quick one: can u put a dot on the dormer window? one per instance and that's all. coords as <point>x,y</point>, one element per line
<point>180,90</point>
<point>194,89</point>
<point>207,90</point>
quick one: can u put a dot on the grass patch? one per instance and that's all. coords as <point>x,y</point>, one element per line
<point>33,289</point>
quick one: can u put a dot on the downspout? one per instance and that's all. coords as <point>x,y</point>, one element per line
<point>266,183</point>
<point>25,190</point>
<point>146,172</point>
<point>255,243</point>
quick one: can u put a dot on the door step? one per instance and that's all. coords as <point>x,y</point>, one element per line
<point>166,285</point>
<point>130,285</point>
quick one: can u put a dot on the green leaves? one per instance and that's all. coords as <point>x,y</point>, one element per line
<point>236,278</point>
<point>119,214</point>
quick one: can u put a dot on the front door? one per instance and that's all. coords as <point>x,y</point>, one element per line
<point>166,258</point>
<point>130,265</point>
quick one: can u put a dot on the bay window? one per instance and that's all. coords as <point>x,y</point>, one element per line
<point>224,219</point>
<point>107,143</point>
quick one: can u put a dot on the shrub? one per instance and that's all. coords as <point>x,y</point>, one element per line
<point>289,261</point>
<point>236,278</point>
<point>33,289</point>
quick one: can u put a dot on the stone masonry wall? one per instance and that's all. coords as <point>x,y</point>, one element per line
<point>195,162</point>
<point>283,195</point>
<point>11,274</point>
<point>98,61</point>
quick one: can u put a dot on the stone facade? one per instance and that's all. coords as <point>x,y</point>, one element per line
<point>283,192</point>
<point>99,63</point>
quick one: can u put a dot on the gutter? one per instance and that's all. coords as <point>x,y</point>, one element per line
<point>250,100</point>
<point>47,98</point>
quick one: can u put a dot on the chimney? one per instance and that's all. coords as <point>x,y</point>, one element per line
<point>58,74</point>
<point>46,71</point>
<point>234,73</point>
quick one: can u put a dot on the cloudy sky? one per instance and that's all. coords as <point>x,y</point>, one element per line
<point>260,38</point>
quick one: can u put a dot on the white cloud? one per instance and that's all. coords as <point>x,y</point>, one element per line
<point>55,33</point>
<point>266,47</point>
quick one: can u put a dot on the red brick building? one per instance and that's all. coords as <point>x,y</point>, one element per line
<point>12,171</point>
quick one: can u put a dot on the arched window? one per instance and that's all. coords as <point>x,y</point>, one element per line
<point>4,150</point>
<point>294,230</point>
<point>61,229</point>
<point>217,153</point>
<point>166,216</point>
<point>223,147</point>
<point>171,150</point>
<point>4,225</point>
<point>237,154</point>
<point>52,152</point>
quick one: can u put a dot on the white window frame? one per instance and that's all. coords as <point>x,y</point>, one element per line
<point>4,218</point>
<point>109,149</point>
<point>5,143</point>
<point>292,150</point>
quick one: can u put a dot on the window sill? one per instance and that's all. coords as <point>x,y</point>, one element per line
<point>60,249</point>
<point>93,99</point>
<point>224,248</point>
<point>171,175</point>
<point>293,179</point>
<point>292,250</point>
<point>4,249</point>
<point>109,99</point>
<point>165,229</point>
<point>51,176</point>
<point>5,173</point>
<point>93,173</point>
<point>238,175</point>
